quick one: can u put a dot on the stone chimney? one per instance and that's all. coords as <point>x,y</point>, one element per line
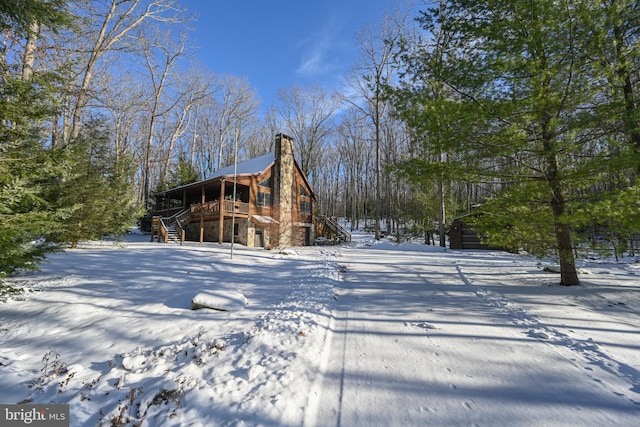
<point>283,188</point>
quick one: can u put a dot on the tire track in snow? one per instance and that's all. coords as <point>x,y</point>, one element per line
<point>588,349</point>
<point>367,366</point>
<point>315,393</point>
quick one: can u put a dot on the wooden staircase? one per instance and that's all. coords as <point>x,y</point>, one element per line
<point>173,235</point>
<point>338,233</point>
<point>169,229</point>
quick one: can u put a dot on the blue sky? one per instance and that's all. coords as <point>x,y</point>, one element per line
<point>281,43</point>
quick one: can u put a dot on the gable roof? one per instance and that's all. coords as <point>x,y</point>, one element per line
<point>254,166</point>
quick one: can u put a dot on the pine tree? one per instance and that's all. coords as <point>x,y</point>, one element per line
<point>27,167</point>
<point>97,187</point>
<point>18,16</point>
<point>26,171</point>
<point>517,101</point>
<point>184,172</point>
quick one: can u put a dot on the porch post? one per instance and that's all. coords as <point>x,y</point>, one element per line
<point>221,213</point>
<point>202,217</point>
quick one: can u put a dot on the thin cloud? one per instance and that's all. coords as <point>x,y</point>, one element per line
<point>321,52</point>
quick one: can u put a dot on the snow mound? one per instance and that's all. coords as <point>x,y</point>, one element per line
<point>288,251</point>
<point>134,363</point>
<point>219,300</point>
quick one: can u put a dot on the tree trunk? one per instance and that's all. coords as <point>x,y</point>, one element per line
<point>29,56</point>
<point>177,132</point>
<point>624,74</point>
<point>146,173</point>
<point>441,216</point>
<point>378,196</point>
<point>568,273</point>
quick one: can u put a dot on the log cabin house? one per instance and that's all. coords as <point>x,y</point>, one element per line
<point>274,204</point>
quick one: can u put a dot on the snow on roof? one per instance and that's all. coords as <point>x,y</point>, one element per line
<point>264,219</point>
<point>248,167</point>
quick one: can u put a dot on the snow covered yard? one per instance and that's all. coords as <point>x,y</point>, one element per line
<point>366,334</point>
<point>110,331</point>
<point>424,336</point>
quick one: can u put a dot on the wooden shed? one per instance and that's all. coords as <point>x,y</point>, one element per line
<point>463,236</point>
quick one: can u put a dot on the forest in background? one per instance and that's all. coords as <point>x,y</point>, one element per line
<point>528,109</point>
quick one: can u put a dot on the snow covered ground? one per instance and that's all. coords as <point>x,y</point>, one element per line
<point>365,334</point>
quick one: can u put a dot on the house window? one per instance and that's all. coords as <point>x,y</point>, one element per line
<point>264,199</point>
<point>303,191</point>
<point>265,183</point>
<point>305,206</point>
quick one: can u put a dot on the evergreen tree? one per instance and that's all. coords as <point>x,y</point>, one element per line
<point>613,27</point>
<point>97,186</point>
<point>27,167</point>
<point>184,172</point>
<point>610,210</point>
<point>515,94</point>
<point>19,15</point>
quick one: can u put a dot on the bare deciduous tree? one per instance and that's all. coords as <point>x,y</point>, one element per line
<point>355,151</point>
<point>307,115</point>
<point>109,26</point>
<point>160,58</point>
<point>191,88</point>
<point>122,97</point>
<point>371,73</point>
<point>236,108</point>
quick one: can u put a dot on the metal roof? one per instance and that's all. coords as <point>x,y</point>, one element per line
<point>253,166</point>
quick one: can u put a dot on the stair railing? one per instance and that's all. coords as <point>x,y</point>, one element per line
<point>177,220</point>
<point>340,231</point>
<point>163,231</point>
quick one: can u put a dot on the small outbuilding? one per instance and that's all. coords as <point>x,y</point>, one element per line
<point>463,236</point>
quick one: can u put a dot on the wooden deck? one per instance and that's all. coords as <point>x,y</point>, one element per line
<point>213,208</point>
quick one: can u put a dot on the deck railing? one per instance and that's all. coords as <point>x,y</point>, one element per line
<point>212,208</point>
